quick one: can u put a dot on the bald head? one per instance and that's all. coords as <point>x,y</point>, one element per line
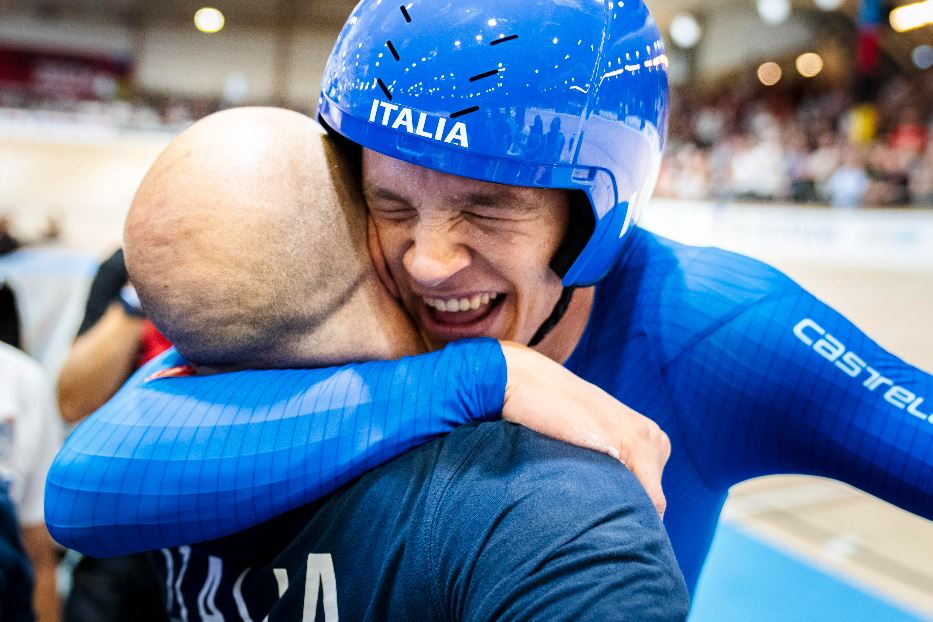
<point>247,244</point>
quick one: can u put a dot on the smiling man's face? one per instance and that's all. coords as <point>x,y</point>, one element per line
<point>470,258</point>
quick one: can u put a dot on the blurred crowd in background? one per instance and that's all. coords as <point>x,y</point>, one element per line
<point>732,140</point>
<point>741,143</point>
<point>19,110</point>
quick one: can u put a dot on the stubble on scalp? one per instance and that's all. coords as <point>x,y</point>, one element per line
<point>245,239</point>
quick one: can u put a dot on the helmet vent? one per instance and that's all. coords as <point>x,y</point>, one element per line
<point>485,74</point>
<point>503,40</point>
<point>384,88</point>
<point>460,113</point>
<point>405,13</point>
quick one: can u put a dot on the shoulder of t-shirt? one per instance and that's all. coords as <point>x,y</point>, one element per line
<point>685,292</point>
<point>495,468</point>
<point>501,452</point>
<point>507,500</point>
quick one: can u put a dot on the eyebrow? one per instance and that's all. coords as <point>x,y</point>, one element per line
<point>371,192</point>
<point>483,199</point>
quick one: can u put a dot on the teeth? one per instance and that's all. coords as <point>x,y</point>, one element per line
<point>451,305</point>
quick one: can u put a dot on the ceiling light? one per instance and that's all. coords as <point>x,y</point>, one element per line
<point>770,73</point>
<point>923,56</point>
<point>774,11</point>
<point>828,5</point>
<point>209,20</point>
<point>911,16</point>
<point>685,30</point>
<point>809,64</point>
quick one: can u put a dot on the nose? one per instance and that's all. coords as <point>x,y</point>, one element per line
<point>435,255</point>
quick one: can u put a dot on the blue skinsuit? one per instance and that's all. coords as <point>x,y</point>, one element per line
<point>747,373</point>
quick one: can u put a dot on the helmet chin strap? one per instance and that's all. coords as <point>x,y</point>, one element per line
<point>556,315</point>
<point>579,229</point>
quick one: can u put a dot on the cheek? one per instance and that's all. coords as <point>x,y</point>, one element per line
<point>527,269</point>
<point>394,239</point>
<point>534,250</point>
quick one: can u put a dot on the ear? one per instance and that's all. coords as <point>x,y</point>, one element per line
<point>379,260</point>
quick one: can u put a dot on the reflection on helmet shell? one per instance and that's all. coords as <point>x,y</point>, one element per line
<point>550,93</point>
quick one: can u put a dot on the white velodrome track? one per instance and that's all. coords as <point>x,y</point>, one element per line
<point>876,266</point>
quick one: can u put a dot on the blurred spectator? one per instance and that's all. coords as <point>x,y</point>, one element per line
<point>16,585</point>
<point>10,325</point>
<point>824,160</point>
<point>693,178</point>
<point>786,143</point>
<point>848,184</point>
<point>910,135</point>
<point>8,243</point>
<point>920,182</point>
<point>30,436</point>
<point>114,339</point>
<point>801,187</point>
<point>50,232</point>
<point>757,168</point>
<point>709,126</point>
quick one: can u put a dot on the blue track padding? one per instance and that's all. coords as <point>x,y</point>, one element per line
<point>746,580</point>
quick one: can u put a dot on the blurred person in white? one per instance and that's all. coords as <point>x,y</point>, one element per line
<point>849,183</point>
<point>710,126</point>
<point>30,435</point>
<point>920,184</point>
<point>758,167</point>
<point>114,339</point>
<point>801,188</point>
<point>824,161</point>
<point>692,174</point>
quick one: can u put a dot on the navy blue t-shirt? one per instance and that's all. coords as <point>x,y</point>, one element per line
<point>493,522</point>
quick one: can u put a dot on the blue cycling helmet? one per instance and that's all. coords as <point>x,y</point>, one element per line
<point>544,93</point>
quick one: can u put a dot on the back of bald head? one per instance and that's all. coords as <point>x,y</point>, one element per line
<point>246,237</point>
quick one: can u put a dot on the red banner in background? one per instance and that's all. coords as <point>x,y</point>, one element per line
<point>61,74</point>
<point>868,50</point>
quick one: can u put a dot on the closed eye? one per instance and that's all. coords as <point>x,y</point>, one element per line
<point>386,205</point>
<point>485,216</point>
<point>395,213</point>
<point>495,214</point>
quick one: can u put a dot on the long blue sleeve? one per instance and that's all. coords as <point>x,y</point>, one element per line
<point>750,375</point>
<point>177,460</point>
<point>785,384</point>
<point>767,379</point>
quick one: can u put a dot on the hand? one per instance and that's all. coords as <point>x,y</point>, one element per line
<point>547,398</point>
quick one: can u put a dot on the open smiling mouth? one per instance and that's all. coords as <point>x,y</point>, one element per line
<point>463,311</point>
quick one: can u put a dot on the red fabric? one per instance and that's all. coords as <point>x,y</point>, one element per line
<point>868,50</point>
<point>173,372</point>
<point>152,343</point>
<point>909,137</point>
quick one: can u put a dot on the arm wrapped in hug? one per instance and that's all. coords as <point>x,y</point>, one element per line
<point>177,460</point>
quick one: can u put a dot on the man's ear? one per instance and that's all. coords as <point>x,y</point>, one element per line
<point>379,260</point>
